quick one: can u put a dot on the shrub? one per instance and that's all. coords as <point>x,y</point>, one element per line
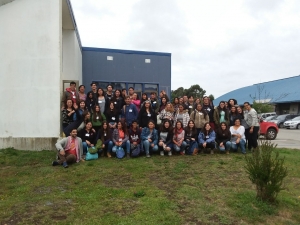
<point>266,170</point>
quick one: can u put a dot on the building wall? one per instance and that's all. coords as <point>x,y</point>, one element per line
<point>294,108</point>
<point>72,57</point>
<point>126,67</point>
<point>30,73</point>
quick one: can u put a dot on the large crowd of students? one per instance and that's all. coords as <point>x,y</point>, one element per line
<point>152,123</point>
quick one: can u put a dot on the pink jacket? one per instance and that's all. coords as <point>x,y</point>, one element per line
<point>137,103</point>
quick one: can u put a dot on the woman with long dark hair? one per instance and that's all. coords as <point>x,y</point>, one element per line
<point>90,101</point>
<point>178,138</point>
<point>105,136</point>
<point>120,138</point>
<point>221,114</point>
<point>144,98</point>
<point>101,100</point>
<point>112,116</point>
<point>206,138</point>
<point>68,113</point>
<point>233,114</point>
<point>149,138</point>
<point>88,137</point>
<point>191,138</point>
<point>200,117</point>
<point>223,137</point>
<point>163,104</point>
<point>97,118</point>
<point>165,138</point>
<point>146,114</point>
<point>182,116</point>
<point>118,101</point>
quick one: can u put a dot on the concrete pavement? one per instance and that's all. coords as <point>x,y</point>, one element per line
<point>288,138</point>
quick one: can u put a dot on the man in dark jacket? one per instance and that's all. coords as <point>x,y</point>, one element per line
<point>209,108</point>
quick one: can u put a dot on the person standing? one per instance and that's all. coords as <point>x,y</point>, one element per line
<point>221,115</point>
<point>209,108</point>
<point>71,93</point>
<point>69,150</point>
<point>182,116</point>
<point>129,112</point>
<point>94,90</point>
<point>81,93</point>
<point>200,117</point>
<point>252,121</point>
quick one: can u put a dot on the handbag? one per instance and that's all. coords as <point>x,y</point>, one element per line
<point>91,156</point>
<point>92,150</point>
<point>99,144</point>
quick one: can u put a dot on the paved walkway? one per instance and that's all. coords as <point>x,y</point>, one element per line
<point>288,138</point>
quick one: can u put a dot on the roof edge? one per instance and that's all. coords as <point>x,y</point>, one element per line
<point>125,51</point>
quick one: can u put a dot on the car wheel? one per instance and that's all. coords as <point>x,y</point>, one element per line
<point>271,134</point>
<point>298,126</point>
<point>281,125</point>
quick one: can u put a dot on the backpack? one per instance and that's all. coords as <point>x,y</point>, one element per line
<point>120,153</point>
<point>136,150</point>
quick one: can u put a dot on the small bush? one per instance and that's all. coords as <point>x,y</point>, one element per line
<point>266,170</point>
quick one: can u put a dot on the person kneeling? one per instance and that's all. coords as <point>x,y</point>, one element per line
<point>207,138</point>
<point>69,150</point>
<point>165,138</point>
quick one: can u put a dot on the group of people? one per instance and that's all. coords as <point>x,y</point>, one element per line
<point>120,119</point>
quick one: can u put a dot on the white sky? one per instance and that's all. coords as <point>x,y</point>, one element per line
<point>220,45</point>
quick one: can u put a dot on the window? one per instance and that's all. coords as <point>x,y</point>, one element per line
<point>110,58</point>
<point>148,88</point>
<point>147,60</point>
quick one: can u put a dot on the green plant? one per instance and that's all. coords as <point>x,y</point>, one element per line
<point>266,170</point>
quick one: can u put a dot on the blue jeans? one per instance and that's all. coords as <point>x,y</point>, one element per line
<point>109,145</point>
<point>241,144</point>
<point>124,145</point>
<point>226,147</point>
<point>181,147</point>
<point>147,147</point>
<point>192,145</point>
<point>84,147</point>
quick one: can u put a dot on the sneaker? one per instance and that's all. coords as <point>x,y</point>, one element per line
<point>128,156</point>
<point>227,152</point>
<point>148,155</point>
<point>162,153</point>
<point>181,153</point>
<point>169,153</point>
<point>108,155</point>
<point>65,165</point>
<point>55,163</point>
<point>211,152</point>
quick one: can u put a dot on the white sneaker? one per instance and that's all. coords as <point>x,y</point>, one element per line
<point>162,153</point>
<point>169,153</point>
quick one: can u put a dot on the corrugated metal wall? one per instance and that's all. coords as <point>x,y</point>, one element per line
<point>126,66</point>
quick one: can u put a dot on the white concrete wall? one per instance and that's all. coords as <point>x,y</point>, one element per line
<point>72,57</point>
<point>30,68</point>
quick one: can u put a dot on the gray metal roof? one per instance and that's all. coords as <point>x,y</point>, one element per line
<point>277,91</point>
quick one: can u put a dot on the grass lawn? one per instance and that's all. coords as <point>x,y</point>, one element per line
<point>203,189</point>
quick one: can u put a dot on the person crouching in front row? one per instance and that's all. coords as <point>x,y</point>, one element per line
<point>206,138</point>
<point>69,150</point>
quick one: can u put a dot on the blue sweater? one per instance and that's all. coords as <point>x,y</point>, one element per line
<point>130,113</point>
<point>202,137</point>
<point>145,135</point>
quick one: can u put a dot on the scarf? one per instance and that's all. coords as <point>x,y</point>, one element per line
<point>69,140</point>
<point>178,132</point>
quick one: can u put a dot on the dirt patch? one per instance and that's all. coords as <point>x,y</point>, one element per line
<point>118,181</point>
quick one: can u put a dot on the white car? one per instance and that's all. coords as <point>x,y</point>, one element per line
<point>293,123</point>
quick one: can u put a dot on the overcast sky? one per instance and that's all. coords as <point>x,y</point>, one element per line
<point>220,45</point>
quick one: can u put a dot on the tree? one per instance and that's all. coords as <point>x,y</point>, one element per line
<point>195,90</point>
<point>263,101</point>
<point>211,97</point>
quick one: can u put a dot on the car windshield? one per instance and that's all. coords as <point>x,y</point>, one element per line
<point>270,118</point>
<point>282,117</point>
<point>296,118</point>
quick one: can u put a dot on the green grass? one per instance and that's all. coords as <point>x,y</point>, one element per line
<point>203,189</point>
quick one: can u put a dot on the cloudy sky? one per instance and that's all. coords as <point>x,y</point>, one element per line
<point>220,45</point>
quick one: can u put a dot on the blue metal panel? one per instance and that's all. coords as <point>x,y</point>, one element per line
<point>126,66</point>
<point>274,90</point>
